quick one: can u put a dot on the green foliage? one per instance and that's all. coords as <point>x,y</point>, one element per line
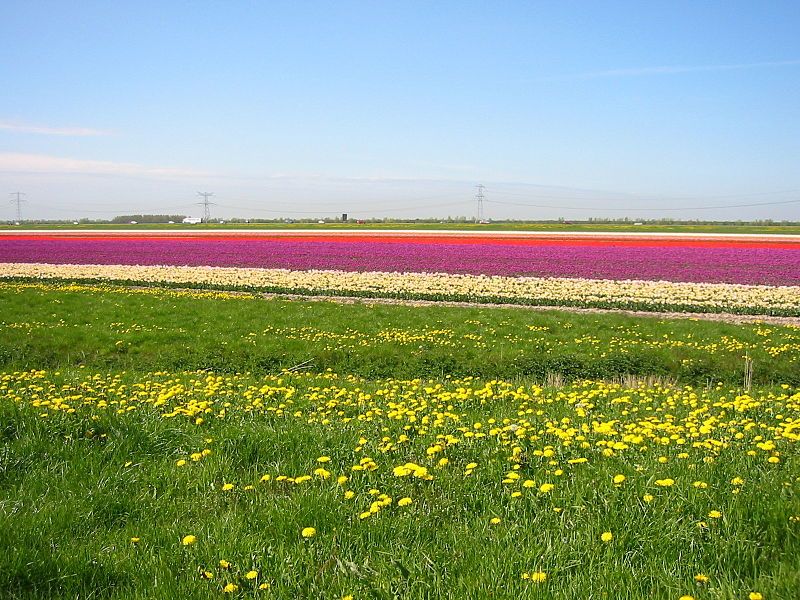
<point>151,329</point>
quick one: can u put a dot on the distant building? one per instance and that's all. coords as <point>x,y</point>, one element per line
<point>192,220</point>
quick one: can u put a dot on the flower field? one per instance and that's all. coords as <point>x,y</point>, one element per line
<point>332,486</point>
<point>754,276</point>
<point>167,431</point>
<point>758,261</point>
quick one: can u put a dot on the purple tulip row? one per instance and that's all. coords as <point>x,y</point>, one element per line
<point>770,266</point>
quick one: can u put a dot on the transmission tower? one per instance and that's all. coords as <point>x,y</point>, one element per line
<point>18,201</point>
<point>479,197</point>
<point>206,204</point>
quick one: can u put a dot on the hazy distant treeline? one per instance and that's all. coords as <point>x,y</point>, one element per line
<point>148,218</point>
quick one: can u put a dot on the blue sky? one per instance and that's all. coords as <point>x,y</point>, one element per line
<point>574,109</point>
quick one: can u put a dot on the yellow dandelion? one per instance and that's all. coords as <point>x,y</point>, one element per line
<point>607,536</point>
<point>308,532</point>
<point>230,588</point>
<point>224,564</point>
<point>756,596</point>
<point>263,586</point>
<point>701,578</point>
<point>619,478</point>
<point>495,520</point>
<point>404,501</point>
<point>188,540</point>
<point>227,487</point>
<point>538,577</point>
<point>251,575</point>
<point>324,459</point>
<point>714,514</point>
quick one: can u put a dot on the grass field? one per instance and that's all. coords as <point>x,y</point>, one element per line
<point>154,445</point>
<point>685,228</point>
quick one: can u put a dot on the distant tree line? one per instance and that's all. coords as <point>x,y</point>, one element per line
<point>148,218</point>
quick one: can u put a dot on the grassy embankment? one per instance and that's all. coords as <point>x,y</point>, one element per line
<point>116,451</point>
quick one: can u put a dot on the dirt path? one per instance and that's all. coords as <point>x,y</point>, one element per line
<point>720,317</point>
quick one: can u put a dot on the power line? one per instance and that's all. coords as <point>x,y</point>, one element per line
<point>646,209</point>
<point>205,204</point>
<point>18,201</point>
<point>606,194</point>
<point>479,197</point>
<point>322,211</point>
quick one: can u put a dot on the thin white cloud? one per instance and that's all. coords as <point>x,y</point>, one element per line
<point>678,69</point>
<point>45,130</point>
<point>41,163</point>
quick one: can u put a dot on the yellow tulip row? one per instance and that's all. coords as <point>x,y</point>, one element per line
<point>647,295</point>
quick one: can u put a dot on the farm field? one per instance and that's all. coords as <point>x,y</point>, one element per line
<point>679,228</point>
<point>169,432</point>
<point>757,275</point>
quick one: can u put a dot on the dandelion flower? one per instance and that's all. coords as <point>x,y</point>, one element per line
<point>263,586</point>
<point>756,596</point>
<point>324,459</point>
<point>251,575</point>
<point>188,540</point>
<point>227,487</point>
<point>686,598</point>
<point>224,564</point>
<point>538,577</point>
<point>714,514</point>
<point>701,578</point>
<point>647,497</point>
<point>230,588</point>
<point>135,540</point>
<point>308,532</point>
<point>607,536</point>
<point>546,488</point>
<point>404,501</point>
<point>495,520</point>
<point>665,482</point>
<point>619,479</point>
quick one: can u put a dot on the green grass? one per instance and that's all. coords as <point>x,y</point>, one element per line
<point>56,326</point>
<point>103,390</point>
<point>76,487</point>
<point>495,226</point>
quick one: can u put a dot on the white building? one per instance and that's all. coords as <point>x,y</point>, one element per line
<point>192,220</point>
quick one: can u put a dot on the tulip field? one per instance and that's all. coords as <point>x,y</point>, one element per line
<point>399,415</point>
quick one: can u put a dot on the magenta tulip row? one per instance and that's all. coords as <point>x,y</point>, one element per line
<point>769,266</point>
